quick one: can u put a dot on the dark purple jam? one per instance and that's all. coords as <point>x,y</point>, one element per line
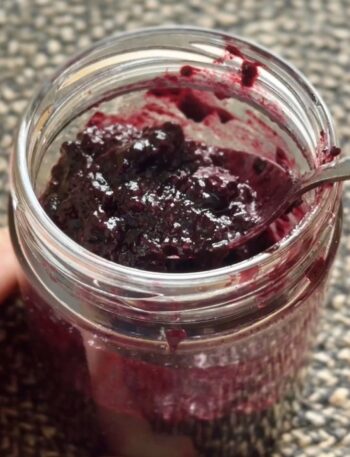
<point>192,104</point>
<point>140,193</point>
<point>249,73</point>
<point>151,199</point>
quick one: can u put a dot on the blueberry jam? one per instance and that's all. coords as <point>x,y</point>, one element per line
<point>146,196</point>
<point>139,190</point>
<point>151,199</point>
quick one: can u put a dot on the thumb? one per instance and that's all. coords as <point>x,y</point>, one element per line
<point>8,265</point>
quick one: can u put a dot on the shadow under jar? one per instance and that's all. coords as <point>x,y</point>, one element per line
<point>147,364</point>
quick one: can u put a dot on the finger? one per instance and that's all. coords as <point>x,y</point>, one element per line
<point>9,267</point>
<point>127,432</point>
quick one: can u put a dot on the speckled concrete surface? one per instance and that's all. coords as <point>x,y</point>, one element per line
<point>37,35</point>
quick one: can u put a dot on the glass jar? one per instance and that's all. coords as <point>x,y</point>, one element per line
<point>142,364</point>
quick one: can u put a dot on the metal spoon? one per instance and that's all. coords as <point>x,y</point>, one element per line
<point>278,191</point>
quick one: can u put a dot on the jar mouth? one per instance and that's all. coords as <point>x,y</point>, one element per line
<point>105,270</point>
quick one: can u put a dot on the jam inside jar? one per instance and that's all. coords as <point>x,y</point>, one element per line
<point>178,349</point>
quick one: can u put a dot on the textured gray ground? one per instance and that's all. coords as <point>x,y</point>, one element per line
<point>36,36</point>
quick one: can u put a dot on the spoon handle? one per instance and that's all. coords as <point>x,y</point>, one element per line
<point>331,172</point>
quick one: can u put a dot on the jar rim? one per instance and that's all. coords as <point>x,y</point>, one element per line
<point>89,262</point>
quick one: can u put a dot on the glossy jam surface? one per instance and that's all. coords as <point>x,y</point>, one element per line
<point>150,198</point>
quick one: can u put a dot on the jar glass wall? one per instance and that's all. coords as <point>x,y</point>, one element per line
<point>187,364</point>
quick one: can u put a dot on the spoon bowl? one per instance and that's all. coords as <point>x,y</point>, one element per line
<point>277,191</point>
